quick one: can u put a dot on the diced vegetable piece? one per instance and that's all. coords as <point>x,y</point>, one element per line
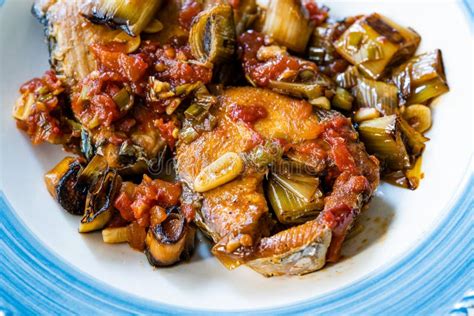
<point>130,16</point>
<point>133,234</point>
<point>265,154</point>
<point>303,190</point>
<point>289,208</point>
<point>23,106</point>
<point>212,35</point>
<point>374,42</point>
<point>223,170</point>
<point>124,100</point>
<point>421,78</point>
<point>99,202</point>
<point>195,111</point>
<point>364,114</point>
<point>62,184</point>
<point>287,24</point>
<point>136,236</point>
<point>382,137</point>
<point>321,102</point>
<point>418,116</point>
<point>376,94</point>
<point>115,235</point>
<point>309,91</point>
<point>343,99</point>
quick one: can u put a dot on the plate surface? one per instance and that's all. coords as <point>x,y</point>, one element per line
<point>414,255</point>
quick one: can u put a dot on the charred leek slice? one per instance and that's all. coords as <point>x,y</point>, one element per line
<point>170,241</point>
<point>130,16</point>
<point>288,207</point>
<point>374,42</point>
<point>62,184</point>
<point>212,35</point>
<point>421,78</point>
<point>287,24</point>
<point>99,202</point>
<point>382,137</point>
<point>376,94</point>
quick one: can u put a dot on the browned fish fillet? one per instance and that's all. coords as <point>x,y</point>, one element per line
<point>235,214</point>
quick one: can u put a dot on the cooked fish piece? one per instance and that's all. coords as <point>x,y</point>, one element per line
<point>69,35</point>
<point>236,214</point>
<point>297,250</point>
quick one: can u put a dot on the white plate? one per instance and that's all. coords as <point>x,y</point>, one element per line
<point>397,224</point>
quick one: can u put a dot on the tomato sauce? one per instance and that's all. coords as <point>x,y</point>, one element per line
<point>247,114</point>
<point>188,11</point>
<point>337,133</point>
<point>171,65</point>
<point>261,72</point>
<point>136,204</point>
<point>112,57</point>
<point>41,105</point>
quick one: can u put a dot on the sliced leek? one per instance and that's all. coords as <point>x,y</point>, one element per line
<point>131,16</point>
<point>286,23</point>
<point>421,78</point>
<point>99,202</point>
<point>308,91</point>
<point>374,42</point>
<point>376,94</point>
<point>303,190</point>
<point>342,99</point>
<point>288,207</point>
<point>414,139</point>
<point>212,35</point>
<point>115,235</point>
<point>382,137</point>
